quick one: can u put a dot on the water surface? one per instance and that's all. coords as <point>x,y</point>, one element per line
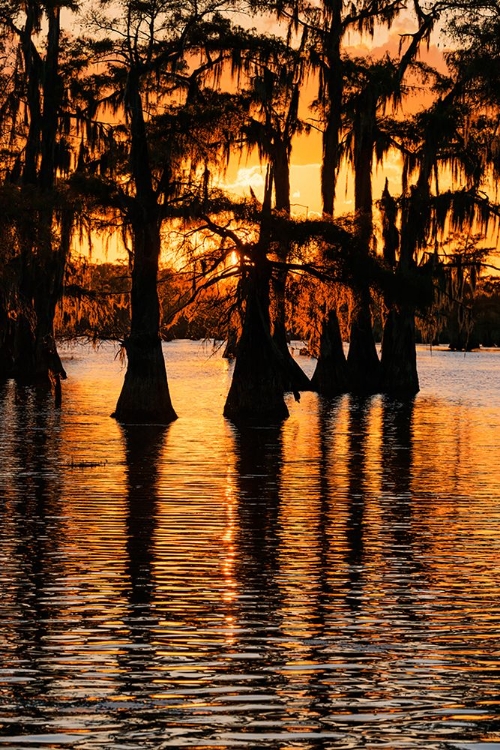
<point>331,583</point>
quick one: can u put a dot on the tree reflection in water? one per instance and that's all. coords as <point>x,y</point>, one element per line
<point>259,462</point>
<point>33,510</point>
<point>325,583</point>
<point>143,448</point>
<point>396,474</point>
<point>358,430</point>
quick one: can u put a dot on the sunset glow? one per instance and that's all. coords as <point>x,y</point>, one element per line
<point>249,374</point>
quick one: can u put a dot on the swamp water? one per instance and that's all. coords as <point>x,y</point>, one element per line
<point>333,583</point>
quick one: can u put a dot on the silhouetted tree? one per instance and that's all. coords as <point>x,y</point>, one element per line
<point>328,25</point>
<point>276,77</point>
<point>157,55</point>
<point>38,158</point>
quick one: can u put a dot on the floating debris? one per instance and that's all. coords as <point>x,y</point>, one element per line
<point>85,464</point>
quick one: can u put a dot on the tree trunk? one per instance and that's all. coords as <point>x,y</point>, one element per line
<point>231,344</point>
<point>33,74</point>
<point>52,96</point>
<point>6,342</point>
<point>330,376</point>
<point>48,365</point>
<point>281,176</point>
<point>36,360</point>
<point>23,369</point>
<point>145,396</point>
<point>256,392</point>
<point>295,379</point>
<point>399,358</point>
<point>48,291</point>
<point>329,167</point>
<point>364,140</point>
<point>362,359</point>
<point>334,94</point>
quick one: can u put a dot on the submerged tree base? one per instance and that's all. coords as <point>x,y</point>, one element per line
<point>294,378</point>
<point>330,376</point>
<point>399,358</point>
<point>145,397</point>
<point>363,364</point>
<point>256,392</point>
<point>35,360</point>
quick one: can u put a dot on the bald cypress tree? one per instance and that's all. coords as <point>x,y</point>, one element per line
<point>328,26</point>
<point>44,220</point>
<point>276,75</point>
<point>157,56</point>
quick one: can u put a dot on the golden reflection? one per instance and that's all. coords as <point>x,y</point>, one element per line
<point>258,470</point>
<point>300,509</point>
<point>338,572</point>
<point>33,516</point>
<point>229,541</point>
<point>394,571</point>
<point>456,486</point>
<point>93,442</point>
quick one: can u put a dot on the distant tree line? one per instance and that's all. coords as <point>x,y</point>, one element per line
<point>118,118</point>
<point>95,307</point>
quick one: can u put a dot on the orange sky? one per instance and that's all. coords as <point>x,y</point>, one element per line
<point>306,154</point>
<point>246,172</point>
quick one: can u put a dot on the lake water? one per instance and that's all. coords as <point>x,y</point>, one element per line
<point>333,583</point>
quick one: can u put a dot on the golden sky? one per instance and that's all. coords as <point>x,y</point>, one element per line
<point>306,153</point>
<point>245,172</point>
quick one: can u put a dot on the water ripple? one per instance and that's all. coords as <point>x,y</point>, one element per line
<point>332,583</point>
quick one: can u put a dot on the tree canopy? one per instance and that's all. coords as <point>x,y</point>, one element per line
<point>121,118</point>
